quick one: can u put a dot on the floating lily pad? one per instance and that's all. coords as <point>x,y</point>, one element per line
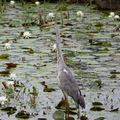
<point>97,109</point>
<point>83,118</point>
<point>30,50</point>
<point>5,73</point>
<point>99,25</point>
<point>113,76</point>
<point>114,110</point>
<point>97,103</point>
<point>14,23</point>
<point>61,104</point>
<point>41,119</point>
<point>46,89</point>
<point>100,118</point>
<point>58,115</point>
<point>22,114</point>
<point>114,72</point>
<point>4,56</point>
<point>63,8</point>
<point>9,110</point>
<point>11,65</point>
<point>70,118</point>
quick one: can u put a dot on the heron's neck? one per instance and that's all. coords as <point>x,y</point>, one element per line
<point>59,52</point>
<point>58,42</point>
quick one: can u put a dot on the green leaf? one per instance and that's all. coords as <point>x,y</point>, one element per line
<point>97,103</point>
<point>58,115</point>
<point>4,56</point>
<point>14,23</point>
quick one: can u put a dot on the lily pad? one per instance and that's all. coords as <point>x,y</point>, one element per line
<point>22,114</point>
<point>113,76</point>
<point>97,109</point>
<point>4,56</point>
<point>70,118</point>
<point>5,73</point>
<point>11,65</point>
<point>100,118</point>
<point>9,110</point>
<point>41,119</point>
<point>83,117</point>
<point>97,103</point>
<point>58,115</point>
<point>14,23</point>
<point>115,110</point>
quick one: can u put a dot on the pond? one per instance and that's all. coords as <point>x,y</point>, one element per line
<point>90,46</point>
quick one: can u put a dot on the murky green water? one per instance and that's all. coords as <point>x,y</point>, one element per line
<point>92,49</point>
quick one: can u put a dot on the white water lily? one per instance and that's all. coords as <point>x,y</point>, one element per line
<point>3,99</point>
<point>80,14</point>
<point>37,3</point>
<point>51,15</point>
<point>10,83</point>
<point>12,2</point>
<point>7,45</point>
<point>12,76</point>
<point>116,17</point>
<point>26,34</point>
<point>112,14</point>
<point>54,47</point>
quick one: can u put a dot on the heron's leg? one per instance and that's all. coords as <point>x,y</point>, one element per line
<point>66,105</point>
<point>78,113</point>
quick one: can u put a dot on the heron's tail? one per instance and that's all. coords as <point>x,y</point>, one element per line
<point>80,100</point>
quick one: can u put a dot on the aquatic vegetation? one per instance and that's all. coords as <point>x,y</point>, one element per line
<point>3,99</point>
<point>51,15</point>
<point>4,56</point>
<point>80,14</point>
<point>116,17</point>
<point>112,14</point>
<point>54,47</point>
<point>26,34</point>
<point>37,3</point>
<point>12,76</point>
<point>7,45</point>
<point>12,3</point>
<point>10,83</point>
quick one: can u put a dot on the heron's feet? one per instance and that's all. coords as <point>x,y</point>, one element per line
<point>67,109</point>
<point>78,114</point>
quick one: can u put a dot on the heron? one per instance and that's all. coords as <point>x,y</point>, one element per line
<point>66,81</point>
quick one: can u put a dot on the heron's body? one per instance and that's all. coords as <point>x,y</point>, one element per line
<point>66,80</point>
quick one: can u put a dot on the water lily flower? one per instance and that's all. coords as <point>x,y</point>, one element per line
<point>12,2</point>
<point>116,17</point>
<point>80,14</point>
<point>3,99</point>
<point>12,76</point>
<point>54,47</point>
<point>26,34</point>
<point>10,83</point>
<point>37,3</point>
<point>7,45</point>
<point>51,15</point>
<point>112,14</point>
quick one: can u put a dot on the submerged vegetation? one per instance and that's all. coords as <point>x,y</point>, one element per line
<point>91,49</point>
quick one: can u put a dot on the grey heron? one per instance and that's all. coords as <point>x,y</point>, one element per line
<point>66,80</point>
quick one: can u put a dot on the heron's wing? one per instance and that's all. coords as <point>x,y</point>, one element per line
<point>70,86</point>
<point>68,82</point>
